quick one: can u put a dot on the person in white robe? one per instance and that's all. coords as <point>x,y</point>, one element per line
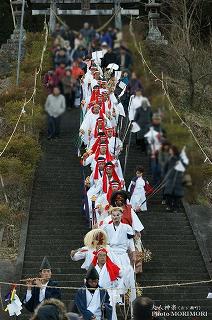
<point>137,190</point>
<point>135,102</point>
<point>91,300</point>
<point>110,278</point>
<point>120,239</point>
<point>93,240</point>
<point>88,125</point>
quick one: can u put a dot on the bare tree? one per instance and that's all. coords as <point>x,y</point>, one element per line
<point>187,60</point>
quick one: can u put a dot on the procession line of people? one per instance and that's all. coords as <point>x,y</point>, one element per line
<point>94,72</point>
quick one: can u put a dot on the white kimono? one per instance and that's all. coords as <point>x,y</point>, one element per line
<point>94,303</point>
<point>89,124</point>
<point>139,195</point>
<point>136,223</point>
<point>119,244</point>
<point>105,282</point>
<point>88,254</point>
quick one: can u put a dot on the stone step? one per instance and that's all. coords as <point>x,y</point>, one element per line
<point>153,243</point>
<point>152,265</point>
<point>68,235</point>
<point>163,252</point>
<point>65,274</point>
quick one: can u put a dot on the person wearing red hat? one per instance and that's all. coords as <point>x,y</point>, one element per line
<point>102,151</point>
<point>103,200</point>
<point>109,277</point>
<point>95,183</point>
<point>93,240</point>
<point>95,94</point>
<point>120,199</point>
<point>115,144</point>
<point>88,124</point>
<point>109,174</point>
<point>120,237</point>
<point>95,80</point>
<point>98,171</point>
<point>102,138</point>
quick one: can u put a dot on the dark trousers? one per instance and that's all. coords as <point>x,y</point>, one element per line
<point>173,202</point>
<point>53,127</point>
<point>155,171</point>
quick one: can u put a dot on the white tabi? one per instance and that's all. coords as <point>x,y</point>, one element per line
<point>94,303</point>
<point>139,195</point>
<point>119,244</point>
<point>134,103</point>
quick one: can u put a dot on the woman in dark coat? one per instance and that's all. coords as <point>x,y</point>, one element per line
<point>173,190</point>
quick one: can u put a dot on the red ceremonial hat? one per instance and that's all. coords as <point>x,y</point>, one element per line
<point>112,268</point>
<point>96,171</point>
<point>104,179</point>
<point>110,191</point>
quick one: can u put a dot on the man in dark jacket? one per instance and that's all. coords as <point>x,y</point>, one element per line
<point>35,295</point>
<point>92,301</point>
<point>143,309</point>
<point>109,57</point>
<point>124,59</point>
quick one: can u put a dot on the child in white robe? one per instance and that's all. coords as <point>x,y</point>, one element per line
<point>137,190</point>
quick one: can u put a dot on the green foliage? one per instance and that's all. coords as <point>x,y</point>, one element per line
<point>32,118</point>
<point>4,213</point>
<point>23,147</point>
<point>19,160</point>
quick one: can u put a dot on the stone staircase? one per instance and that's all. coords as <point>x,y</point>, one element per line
<point>176,256</point>
<point>56,226</point>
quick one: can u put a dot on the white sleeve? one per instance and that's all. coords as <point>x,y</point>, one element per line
<point>28,295</point>
<point>47,104</point>
<point>88,160</point>
<point>131,245</point>
<point>85,124</point>
<point>79,255</point>
<point>136,223</point>
<point>130,231</point>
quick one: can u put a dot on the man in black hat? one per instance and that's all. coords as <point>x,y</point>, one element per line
<point>91,300</point>
<point>44,288</point>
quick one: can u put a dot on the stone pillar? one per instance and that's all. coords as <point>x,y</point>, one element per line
<point>117,7</point>
<point>52,19</point>
<point>154,34</point>
<point>17,7</point>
